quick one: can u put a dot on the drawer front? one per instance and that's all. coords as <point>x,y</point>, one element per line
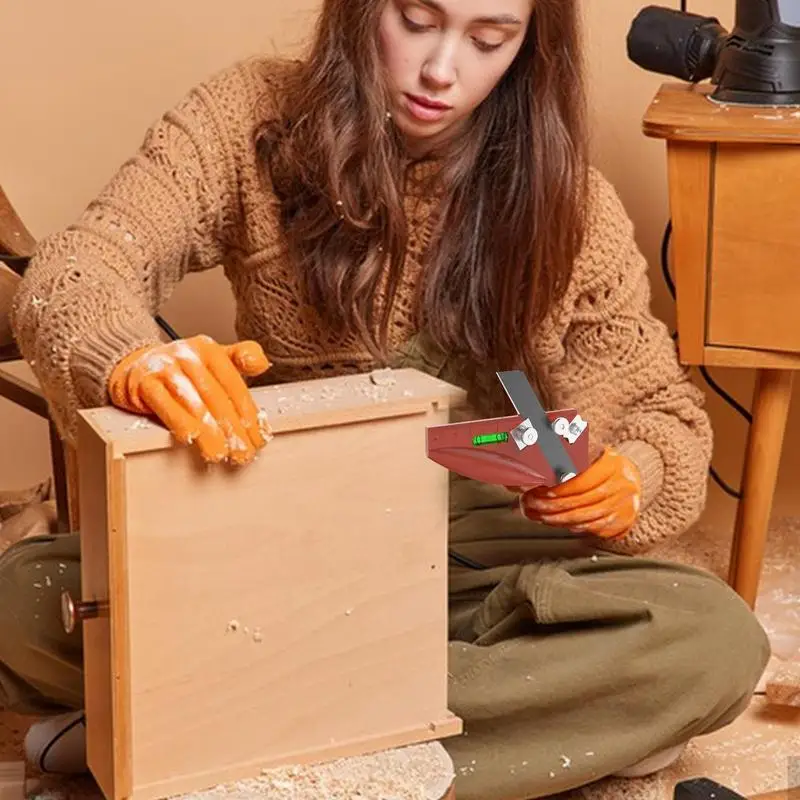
<point>754,276</point>
<point>292,610</point>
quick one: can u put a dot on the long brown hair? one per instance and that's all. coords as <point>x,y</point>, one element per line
<point>511,220</point>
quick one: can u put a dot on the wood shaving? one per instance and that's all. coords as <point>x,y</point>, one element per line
<point>418,772</point>
<point>383,377</point>
<point>377,393</point>
<point>140,424</point>
<point>379,387</point>
<point>784,686</point>
<point>285,404</point>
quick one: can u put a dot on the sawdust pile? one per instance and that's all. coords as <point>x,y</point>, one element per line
<point>419,772</point>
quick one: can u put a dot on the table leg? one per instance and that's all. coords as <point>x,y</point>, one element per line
<point>771,400</point>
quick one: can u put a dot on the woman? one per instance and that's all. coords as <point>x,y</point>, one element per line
<point>415,193</point>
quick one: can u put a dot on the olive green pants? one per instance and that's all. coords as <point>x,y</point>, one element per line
<point>565,666</point>
<point>568,664</point>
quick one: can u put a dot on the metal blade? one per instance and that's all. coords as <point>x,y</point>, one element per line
<point>528,405</point>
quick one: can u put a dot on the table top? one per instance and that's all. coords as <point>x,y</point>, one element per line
<point>686,112</point>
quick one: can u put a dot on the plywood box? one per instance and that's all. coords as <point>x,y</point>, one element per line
<point>290,611</point>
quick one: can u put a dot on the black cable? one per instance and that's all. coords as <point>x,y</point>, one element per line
<point>671,286</point>
<point>464,561</point>
<point>167,328</point>
<point>715,387</point>
<point>665,259</point>
<point>726,397</point>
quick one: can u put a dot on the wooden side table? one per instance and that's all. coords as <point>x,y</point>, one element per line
<point>734,173</point>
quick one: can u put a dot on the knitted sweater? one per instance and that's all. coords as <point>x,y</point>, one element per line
<point>193,198</point>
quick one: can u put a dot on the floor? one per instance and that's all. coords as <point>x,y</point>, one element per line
<point>756,754</point>
<point>760,752</point>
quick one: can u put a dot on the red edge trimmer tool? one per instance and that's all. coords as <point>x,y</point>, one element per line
<point>534,448</point>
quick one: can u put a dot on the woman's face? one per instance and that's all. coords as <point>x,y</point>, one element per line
<point>444,57</point>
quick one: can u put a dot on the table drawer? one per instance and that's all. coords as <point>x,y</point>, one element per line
<point>754,264</point>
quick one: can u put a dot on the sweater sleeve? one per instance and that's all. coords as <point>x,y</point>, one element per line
<point>617,365</point>
<point>91,291</point>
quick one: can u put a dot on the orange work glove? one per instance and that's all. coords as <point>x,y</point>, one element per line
<point>195,387</point>
<point>603,500</point>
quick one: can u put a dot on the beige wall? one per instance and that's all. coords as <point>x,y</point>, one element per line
<point>84,88</point>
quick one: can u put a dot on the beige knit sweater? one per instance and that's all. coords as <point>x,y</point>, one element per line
<point>192,198</point>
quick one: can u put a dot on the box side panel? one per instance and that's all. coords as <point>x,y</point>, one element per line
<point>105,670</point>
<point>294,606</point>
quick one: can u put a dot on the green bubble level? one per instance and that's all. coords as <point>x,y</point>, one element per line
<point>489,438</point>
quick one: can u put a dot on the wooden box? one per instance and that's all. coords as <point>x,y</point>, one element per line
<point>294,610</point>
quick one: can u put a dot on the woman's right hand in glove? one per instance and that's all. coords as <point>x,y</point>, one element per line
<point>195,387</point>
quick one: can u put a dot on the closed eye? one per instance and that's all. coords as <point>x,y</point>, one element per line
<point>418,27</point>
<point>486,47</point>
<point>413,26</point>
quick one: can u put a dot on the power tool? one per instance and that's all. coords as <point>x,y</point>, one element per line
<point>757,63</point>
<point>706,789</point>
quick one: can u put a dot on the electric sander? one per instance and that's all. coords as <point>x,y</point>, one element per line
<point>757,63</point>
